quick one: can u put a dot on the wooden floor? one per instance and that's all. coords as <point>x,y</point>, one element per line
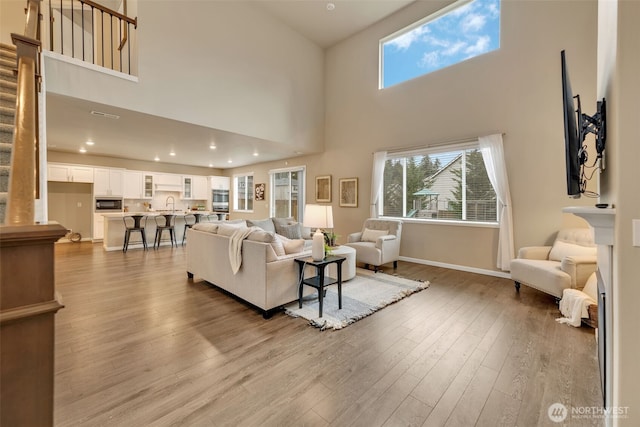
<point>137,344</point>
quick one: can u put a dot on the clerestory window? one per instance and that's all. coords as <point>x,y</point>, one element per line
<point>460,31</point>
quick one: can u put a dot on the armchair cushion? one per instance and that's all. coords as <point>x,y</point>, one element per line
<point>372,235</point>
<point>561,250</point>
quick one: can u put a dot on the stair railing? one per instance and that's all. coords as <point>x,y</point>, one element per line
<point>91,32</point>
<point>24,172</point>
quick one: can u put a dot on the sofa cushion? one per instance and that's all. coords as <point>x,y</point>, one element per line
<point>293,246</point>
<point>229,229</point>
<point>265,224</point>
<point>209,227</point>
<point>261,236</point>
<point>372,235</point>
<point>561,249</point>
<point>278,246</point>
<point>291,231</point>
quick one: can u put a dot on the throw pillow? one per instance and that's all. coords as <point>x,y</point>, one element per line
<point>291,231</point>
<point>229,229</point>
<point>293,246</point>
<point>265,224</point>
<point>372,235</point>
<point>562,249</point>
<point>277,246</point>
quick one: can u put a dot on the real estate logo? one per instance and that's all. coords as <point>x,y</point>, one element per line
<point>557,412</point>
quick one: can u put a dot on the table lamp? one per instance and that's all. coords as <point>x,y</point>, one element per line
<point>318,217</point>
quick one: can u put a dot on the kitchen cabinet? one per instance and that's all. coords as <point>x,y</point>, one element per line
<point>108,182</point>
<point>220,183</point>
<point>132,185</point>
<point>167,182</point>
<point>147,190</point>
<point>69,173</point>
<point>98,226</point>
<point>195,188</point>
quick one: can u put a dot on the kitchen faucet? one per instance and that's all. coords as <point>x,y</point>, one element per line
<point>173,203</point>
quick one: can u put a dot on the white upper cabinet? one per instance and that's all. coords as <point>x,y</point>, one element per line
<point>132,187</point>
<point>220,183</point>
<point>108,182</point>
<point>69,173</point>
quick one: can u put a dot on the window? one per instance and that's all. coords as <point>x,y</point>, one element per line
<point>243,192</point>
<point>287,196</point>
<point>439,185</point>
<point>458,32</point>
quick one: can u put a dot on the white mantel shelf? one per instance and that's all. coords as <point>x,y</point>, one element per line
<point>601,219</point>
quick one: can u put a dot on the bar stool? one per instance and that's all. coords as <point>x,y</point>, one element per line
<point>189,221</point>
<point>134,223</point>
<point>164,222</point>
<point>200,217</point>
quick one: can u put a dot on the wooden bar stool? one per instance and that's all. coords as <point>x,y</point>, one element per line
<point>164,222</point>
<point>189,221</point>
<point>134,223</point>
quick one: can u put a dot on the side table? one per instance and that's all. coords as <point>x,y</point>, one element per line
<point>320,281</point>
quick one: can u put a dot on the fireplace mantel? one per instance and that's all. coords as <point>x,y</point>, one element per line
<point>602,221</point>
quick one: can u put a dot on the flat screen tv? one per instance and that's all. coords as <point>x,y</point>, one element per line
<point>576,126</point>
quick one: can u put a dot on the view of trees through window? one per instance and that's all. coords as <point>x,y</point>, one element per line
<point>450,186</point>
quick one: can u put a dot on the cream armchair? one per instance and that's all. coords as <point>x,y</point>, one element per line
<point>551,269</point>
<point>378,243</point>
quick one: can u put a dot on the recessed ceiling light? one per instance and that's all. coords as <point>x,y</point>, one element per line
<point>210,165</point>
<point>83,150</point>
<point>331,6</point>
<point>229,161</point>
<point>212,146</point>
<point>157,159</point>
<point>89,142</point>
<point>255,154</point>
<point>173,153</point>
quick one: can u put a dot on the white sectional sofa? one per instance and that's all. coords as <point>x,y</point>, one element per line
<point>265,279</point>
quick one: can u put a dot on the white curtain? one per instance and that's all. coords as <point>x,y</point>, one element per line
<point>379,158</point>
<point>493,155</point>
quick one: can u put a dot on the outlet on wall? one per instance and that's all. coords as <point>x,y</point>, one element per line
<point>79,204</point>
<point>635,227</point>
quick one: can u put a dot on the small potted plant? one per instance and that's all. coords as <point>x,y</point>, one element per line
<point>330,238</point>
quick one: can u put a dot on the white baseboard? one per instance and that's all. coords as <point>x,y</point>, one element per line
<point>503,274</point>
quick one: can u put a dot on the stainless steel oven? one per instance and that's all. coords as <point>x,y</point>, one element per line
<point>220,200</point>
<point>113,204</point>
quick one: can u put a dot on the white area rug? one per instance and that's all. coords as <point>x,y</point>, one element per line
<point>363,295</point>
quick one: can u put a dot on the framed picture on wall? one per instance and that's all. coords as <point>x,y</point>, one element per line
<point>259,191</point>
<point>349,192</point>
<point>323,189</point>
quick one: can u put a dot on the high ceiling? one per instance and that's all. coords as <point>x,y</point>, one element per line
<point>143,137</point>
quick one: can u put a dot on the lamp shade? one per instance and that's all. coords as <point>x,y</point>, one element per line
<point>318,216</point>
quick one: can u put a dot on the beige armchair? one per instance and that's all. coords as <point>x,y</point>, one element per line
<point>378,243</point>
<point>551,269</point>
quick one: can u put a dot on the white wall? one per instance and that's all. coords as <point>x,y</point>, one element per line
<point>620,85</point>
<point>515,90</point>
<point>224,65</point>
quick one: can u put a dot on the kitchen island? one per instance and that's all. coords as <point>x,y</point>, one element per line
<point>114,228</point>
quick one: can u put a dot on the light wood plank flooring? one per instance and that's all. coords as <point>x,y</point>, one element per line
<point>138,344</point>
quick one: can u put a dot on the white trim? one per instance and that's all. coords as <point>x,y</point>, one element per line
<point>89,66</point>
<point>445,222</point>
<point>457,267</point>
<point>291,169</point>
<point>235,175</point>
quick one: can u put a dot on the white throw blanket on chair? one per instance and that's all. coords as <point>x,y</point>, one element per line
<point>235,247</point>
<point>573,306</point>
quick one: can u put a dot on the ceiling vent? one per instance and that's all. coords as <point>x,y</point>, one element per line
<point>105,115</point>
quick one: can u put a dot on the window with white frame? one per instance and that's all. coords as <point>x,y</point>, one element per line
<point>449,184</point>
<point>243,192</point>
<point>462,30</point>
<point>288,195</point>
